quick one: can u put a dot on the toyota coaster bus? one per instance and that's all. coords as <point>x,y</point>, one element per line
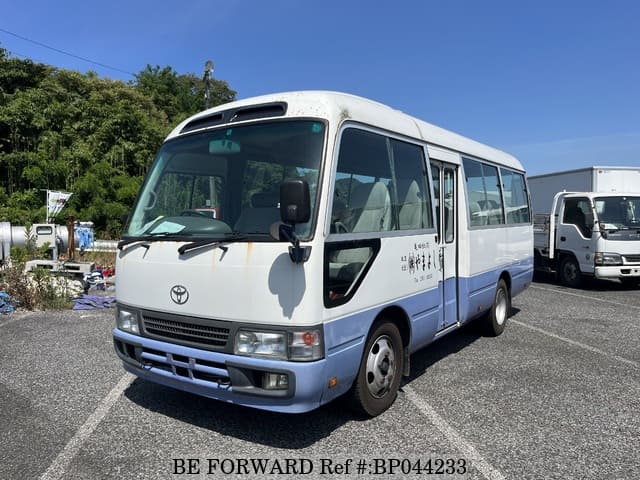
<point>287,249</point>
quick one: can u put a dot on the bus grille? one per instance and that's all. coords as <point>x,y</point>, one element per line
<point>632,258</point>
<point>184,331</point>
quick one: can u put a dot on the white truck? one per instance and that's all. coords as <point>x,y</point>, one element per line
<point>587,224</point>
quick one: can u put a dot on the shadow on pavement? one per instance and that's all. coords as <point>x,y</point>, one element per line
<point>279,430</point>
<point>588,284</point>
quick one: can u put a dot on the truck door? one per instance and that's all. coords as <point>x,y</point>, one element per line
<point>575,231</point>
<point>445,191</point>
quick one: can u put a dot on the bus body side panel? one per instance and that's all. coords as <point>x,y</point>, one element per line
<point>345,337</point>
<point>495,250</point>
<point>521,276</point>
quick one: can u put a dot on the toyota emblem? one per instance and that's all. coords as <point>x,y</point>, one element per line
<point>179,294</point>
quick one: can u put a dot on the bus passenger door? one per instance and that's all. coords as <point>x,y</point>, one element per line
<point>444,186</point>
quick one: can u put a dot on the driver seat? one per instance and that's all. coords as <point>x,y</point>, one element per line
<point>264,210</point>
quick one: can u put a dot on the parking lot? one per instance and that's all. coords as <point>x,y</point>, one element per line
<point>556,396</point>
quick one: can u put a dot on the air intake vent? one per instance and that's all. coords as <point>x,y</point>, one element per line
<point>204,122</point>
<point>191,331</point>
<point>266,110</point>
<point>276,109</point>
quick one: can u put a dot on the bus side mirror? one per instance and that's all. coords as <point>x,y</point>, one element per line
<point>295,202</point>
<point>295,207</point>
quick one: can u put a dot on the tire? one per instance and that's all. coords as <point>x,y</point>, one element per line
<point>376,386</point>
<point>569,272</point>
<point>500,311</point>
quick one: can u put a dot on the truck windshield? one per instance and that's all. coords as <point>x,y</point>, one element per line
<point>226,182</point>
<point>618,213</point>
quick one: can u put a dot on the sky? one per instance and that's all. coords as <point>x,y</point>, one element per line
<point>555,83</point>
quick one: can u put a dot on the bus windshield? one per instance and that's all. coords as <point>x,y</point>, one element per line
<point>618,213</point>
<point>226,182</point>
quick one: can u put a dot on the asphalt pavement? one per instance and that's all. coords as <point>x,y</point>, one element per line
<point>556,396</point>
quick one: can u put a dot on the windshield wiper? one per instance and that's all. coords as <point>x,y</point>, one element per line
<point>149,237</point>
<point>207,242</point>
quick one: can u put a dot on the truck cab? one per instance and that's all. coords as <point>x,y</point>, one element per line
<point>594,234</point>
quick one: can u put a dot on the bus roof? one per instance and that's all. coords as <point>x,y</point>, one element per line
<point>338,107</point>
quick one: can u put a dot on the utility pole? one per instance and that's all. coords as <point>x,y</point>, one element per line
<point>208,71</point>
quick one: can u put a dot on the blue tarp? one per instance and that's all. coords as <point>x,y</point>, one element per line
<point>84,235</point>
<point>92,302</point>
<point>7,304</point>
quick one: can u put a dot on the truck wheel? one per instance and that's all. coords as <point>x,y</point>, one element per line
<point>378,380</point>
<point>500,311</point>
<point>570,272</point>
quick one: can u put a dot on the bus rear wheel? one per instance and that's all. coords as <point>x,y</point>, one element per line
<point>500,310</point>
<point>376,386</point>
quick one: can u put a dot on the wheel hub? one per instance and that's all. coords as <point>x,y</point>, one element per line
<point>380,367</point>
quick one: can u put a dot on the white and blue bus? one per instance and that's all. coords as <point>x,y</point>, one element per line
<point>288,249</point>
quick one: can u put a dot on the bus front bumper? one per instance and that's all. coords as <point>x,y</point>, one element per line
<point>275,385</point>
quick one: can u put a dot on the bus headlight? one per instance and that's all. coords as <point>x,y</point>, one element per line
<point>297,346</point>
<point>603,258</point>
<point>261,344</point>
<point>127,320</point>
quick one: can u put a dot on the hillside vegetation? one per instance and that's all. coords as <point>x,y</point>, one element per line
<point>92,136</point>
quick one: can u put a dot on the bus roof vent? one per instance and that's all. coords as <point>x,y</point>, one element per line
<point>203,122</point>
<point>275,109</point>
<point>266,110</point>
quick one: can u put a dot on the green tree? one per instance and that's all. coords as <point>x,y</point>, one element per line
<point>180,96</point>
<point>94,137</point>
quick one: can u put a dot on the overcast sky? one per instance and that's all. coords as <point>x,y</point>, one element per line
<point>556,83</point>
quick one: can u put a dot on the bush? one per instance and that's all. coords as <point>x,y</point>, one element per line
<point>39,289</point>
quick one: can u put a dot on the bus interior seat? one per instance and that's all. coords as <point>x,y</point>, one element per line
<point>478,217</point>
<point>410,206</point>
<point>370,211</point>
<point>264,211</point>
<point>370,208</point>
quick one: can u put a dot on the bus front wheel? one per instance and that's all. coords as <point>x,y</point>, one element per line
<point>376,386</point>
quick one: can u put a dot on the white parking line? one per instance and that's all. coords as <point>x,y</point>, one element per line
<point>577,344</point>
<point>555,290</point>
<point>464,447</point>
<point>59,466</point>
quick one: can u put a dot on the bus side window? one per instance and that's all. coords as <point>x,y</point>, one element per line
<point>484,194</point>
<point>412,203</point>
<point>515,197</point>
<point>362,202</point>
